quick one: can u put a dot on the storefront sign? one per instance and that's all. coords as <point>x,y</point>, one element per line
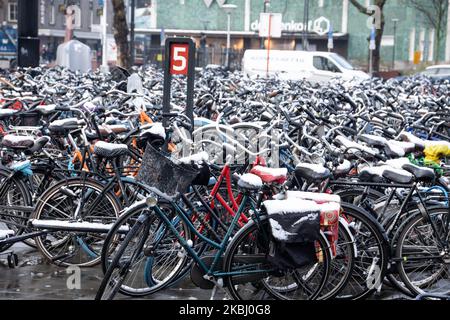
<point>321,26</point>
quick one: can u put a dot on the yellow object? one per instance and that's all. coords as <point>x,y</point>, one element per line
<point>417,57</point>
<point>435,152</point>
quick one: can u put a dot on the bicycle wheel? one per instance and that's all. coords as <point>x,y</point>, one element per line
<point>370,265</point>
<point>161,262</point>
<point>41,180</point>
<point>13,195</point>
<point>75,200</point>
<point>422,253</point>
<point>129,251</point>
<point>257,280</point>
<point>342,265</point>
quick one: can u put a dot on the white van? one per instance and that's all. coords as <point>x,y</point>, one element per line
<point>314,66</point>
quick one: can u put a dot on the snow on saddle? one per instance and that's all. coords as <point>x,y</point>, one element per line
<point>379,174</point>
<point>4,234</point>
<point>24,143</point>
<point>250,182</point>
<point>110,150</point>
<point>420,173</point>
<point>270,175</point>
<point>312,172</point>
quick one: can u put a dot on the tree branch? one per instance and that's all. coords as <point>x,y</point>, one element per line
<point>360,7</point>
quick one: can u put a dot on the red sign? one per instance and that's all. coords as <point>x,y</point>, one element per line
<point>179,53</point>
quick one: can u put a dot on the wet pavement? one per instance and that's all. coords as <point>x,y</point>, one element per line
<point>34,279</point>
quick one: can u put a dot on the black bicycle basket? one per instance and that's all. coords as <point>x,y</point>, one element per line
<point>160,172</point>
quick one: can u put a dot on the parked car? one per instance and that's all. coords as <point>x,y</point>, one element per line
<point>315,66</point>
<point>438,72</point>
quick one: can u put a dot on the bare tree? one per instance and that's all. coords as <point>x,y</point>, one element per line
<point>435,12</point>
<point>379,31</point>
<point>121,33</point>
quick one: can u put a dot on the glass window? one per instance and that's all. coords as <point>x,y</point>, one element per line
<point>341,61</point>
<point>430,72</point>
<point>444,71</point>
<point>324,64</point>
<point>12,11</point>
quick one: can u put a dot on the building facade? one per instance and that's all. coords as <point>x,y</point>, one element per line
<point>206,22</point>
<point>52,24</point>
<point>413,33</point>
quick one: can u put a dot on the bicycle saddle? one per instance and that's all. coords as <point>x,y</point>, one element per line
<point>46,109</point>
<point>398,175</point>
<point>250,182</point>
<point>420,173</point>
<point>343,169</point>
<point>391,148</point>
<point>17,142</point>
<point>106,130</point>
<point>408,137</point>
<point>64,125</point>
<point>408,147</point>
<point>378,174</point>
<point>312,172</point>
<point>373,141</point>
<point>110,150</point>
<point>270,175</point>
<point>4,234</point>
<point>352,146</point>
<point>39,144</point>
<point>372,174</point>
<point>24,143</point>
<point>154,132</point>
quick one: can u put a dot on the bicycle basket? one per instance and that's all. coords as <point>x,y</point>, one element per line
<point>158,171</point>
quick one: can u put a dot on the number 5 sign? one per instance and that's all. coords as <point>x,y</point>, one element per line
<point>179,56</point>
<point>179,60</point>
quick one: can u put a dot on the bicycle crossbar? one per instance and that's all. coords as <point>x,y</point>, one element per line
<point>17,208</point>
<point>371,184</point>
<point>15,239</point>
<point>75,226</point>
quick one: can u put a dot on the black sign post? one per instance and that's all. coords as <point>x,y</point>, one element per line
<point>28,41</point>
<point>179,60</point>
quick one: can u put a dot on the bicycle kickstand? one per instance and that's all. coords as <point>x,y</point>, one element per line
<point>217,284</point>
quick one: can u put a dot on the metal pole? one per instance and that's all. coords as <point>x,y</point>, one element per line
<point>268,46</point>
<point>393,48</point>
<point>104,35</point>
<point>133,10</point>
<point>227,57</point>
<point>305,25</point>
<point>265,11</point>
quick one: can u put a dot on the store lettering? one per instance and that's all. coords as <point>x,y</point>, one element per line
<point>320,26</point>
